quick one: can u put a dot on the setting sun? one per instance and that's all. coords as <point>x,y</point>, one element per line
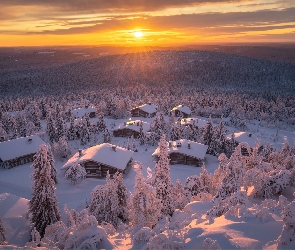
<point>138,34</point>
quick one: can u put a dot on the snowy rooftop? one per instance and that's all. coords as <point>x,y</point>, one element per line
<point>19,147</point>
<point>134,125</point>
<point>148,108</point>
<point>196,121</point>
<point>183,109</point>
<point>103,153</point>
<point>79,112</point>
<point>245,137</point>
<point>196,150</point>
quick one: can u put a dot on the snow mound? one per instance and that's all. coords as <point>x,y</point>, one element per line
<point>13,211</point>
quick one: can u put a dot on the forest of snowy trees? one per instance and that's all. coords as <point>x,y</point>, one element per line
<point>231,89</point>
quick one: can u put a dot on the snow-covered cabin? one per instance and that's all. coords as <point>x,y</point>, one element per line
<point>181,111</point>
<point>186,152</point>
<point>127,129</point>
<point>79,112</point>
<point>248,138</point>
<point>19,151</point>
<point>193,122</point>
<point>99,159</point>
<point>145,110</point>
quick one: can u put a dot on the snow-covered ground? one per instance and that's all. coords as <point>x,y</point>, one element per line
<point>231,232</point>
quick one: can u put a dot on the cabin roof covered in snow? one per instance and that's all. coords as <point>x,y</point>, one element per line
<point>246,137</point>
<point>148,108</point>
<point>79,112</point>
<point>19,147</point>
<point>104,153</point>
<point>134,125</point>
<point>196,150</point>
<point>183,109</point>
<point>198,122</point>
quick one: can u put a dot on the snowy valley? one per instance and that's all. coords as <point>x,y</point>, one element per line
<point>205,153</point>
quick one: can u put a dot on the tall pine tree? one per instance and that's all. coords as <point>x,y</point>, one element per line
<point>43,206</point>
<point>161,178</point>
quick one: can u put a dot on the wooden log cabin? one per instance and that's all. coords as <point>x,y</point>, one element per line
<point>185,152</point>
<point>99,159</point>
<point>181,111</point>
<point>145,110</point>
<point>131,128</point>
<point>19,151</point>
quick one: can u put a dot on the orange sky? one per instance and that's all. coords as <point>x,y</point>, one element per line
<point>162,22</point>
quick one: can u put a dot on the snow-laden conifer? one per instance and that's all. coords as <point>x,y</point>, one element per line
<point>180,198</point>
<point>75,172</point>
<point>145,207</point>
<point>43,206</point>
<point>235,172</point>
<point>161,178</point>
<point>109,201</point>
<point>208,133</point>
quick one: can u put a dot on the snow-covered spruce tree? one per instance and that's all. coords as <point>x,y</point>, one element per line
<point>192,187</point>
<point>221,138</point>
<point>123,196</point>
<point>208,133</point>
<point>180,198</point>
<point>2,233</point>
<point>145,208</point>
<point>72,131</point>
<point>285,157</point>
<point>161,178</point>
<point>175,133</point>
<point>43,205</point>
<point>107,136</point>
<point>219,173</point>
<point>235,171</point>
<point>75,172</point>
<point>100,125</point>
<point>52,164</point>
<point>50,127</point>
<point>108,203</point>
<point>141,135</point>
<point>159,125</point>
<point>205,180</point>
<point>23,128</point>
<point>3,134</point>
<point>61,128</point>
<point>84,131</point>
<point>62,148</point>
<point>231,145</point>
<point>288,232</point>
<point>82,233</point>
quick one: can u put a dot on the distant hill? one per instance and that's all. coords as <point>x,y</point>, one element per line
<point>203,69</point>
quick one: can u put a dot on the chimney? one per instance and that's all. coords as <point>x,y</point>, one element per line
<point>150,103</point>
<point>114,147</point>
<point>30,140</point>
<point>189,145</point>
<point>80,152</point>
<point>250,135</point>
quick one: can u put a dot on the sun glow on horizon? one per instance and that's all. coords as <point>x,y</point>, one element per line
<point>138,34</point>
